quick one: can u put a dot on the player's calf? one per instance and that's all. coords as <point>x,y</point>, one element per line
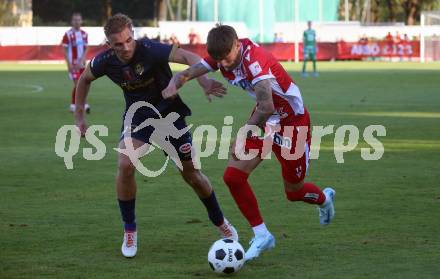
<point>201,185</point>
<point>244,197</point>
<point>306,192</point>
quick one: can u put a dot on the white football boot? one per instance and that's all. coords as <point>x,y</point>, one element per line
<point>227,230</point>
<point>259,244</point>
<point>327,209</point>
<point>129,246</point>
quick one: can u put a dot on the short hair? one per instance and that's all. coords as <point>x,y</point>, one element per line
<point>220,41</point>
<point>117,23</point>
<point>76,14</point>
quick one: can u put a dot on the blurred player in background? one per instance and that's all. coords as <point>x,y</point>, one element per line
<point>279,105</point>
<point>75,42</point>
<point>309,49</point>
<point>141,69</point>
<point>193,37</point>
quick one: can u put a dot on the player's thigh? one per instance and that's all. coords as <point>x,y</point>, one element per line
<point>131,150</point>
<point>293,171</point>
<point>135,142</point>
<point>247,165</point>
<point>183,145</point>
<point>305,55</point>
<point>185,152</point>
<point>293,187</point>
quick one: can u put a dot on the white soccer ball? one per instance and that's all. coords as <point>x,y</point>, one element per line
<point>226,256</point>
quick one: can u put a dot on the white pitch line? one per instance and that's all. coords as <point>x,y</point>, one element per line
<point>35,88</point>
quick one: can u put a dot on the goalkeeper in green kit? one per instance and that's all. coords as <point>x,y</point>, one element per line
<point>309,49</point>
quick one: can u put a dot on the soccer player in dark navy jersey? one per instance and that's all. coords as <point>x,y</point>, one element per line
<point>140,68</point>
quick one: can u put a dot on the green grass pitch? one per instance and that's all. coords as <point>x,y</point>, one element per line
<point>59,223</point>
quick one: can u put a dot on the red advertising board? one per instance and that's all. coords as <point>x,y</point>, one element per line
<point>281,51</point>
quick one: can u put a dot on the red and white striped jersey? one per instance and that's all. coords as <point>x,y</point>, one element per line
<point>258,64</point>
<point>76,44</point>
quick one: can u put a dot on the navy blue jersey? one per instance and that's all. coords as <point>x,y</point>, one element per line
<point>144,77</point>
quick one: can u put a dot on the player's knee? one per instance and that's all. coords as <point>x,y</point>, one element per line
<point>125,167</point>
<point>228,179</point>
<point>233,177</point>
<point>293,190</point>
<point>293,187</point>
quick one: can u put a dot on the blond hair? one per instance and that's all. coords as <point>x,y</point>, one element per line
<point>117,23</point>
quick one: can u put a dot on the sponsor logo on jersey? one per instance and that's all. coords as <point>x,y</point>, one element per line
<point>185,148</point>
<point>255,68</point>
<point>139,69</point>
<point>133,85</point>
<point>127,73</point>
<point>281,141</point>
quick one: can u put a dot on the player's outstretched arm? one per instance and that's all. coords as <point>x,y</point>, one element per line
<point>197,70</point>
<point>82,90</point>
<point>185,57</point>
<point>265,106</point>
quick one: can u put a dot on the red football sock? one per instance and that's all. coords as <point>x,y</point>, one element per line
<point>242,193</point>
<point>309,193</point>
<point>73,96</point>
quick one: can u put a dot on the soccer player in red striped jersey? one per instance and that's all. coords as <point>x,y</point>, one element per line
<point>279,111</point>
<point>75,42</point>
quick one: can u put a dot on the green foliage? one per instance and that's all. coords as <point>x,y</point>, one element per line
<point>6,16</point>
<point>373,11</point>
<point>51,12</point>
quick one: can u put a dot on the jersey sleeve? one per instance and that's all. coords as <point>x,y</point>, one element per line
<point>65,40</point>
<point>97,65</point>
<point>259,66</point>
<point>209,63</point>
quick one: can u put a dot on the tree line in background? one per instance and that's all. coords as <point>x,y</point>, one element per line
<point>7,18</point>
<point>377,11</point>
<point>96,12</point>
<point>149,12</point>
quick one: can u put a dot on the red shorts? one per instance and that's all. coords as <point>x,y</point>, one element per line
<point>74,75</point>
<point>284,144</point>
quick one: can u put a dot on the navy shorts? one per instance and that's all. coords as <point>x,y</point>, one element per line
<point>182,144</point>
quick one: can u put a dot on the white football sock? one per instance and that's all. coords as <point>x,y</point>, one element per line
<point>260,229</point>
